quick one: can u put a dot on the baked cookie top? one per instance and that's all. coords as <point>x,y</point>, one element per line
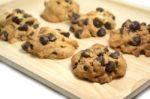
<point>93,24</point>
<point>132,38</point>
<point>17,25</point>
<point>98,64</point>
<point>59,10</point>
<point>50,43</point>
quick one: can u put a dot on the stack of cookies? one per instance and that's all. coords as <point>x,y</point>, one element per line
<point>95,64</point>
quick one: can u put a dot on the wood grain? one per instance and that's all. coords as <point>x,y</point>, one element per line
<point>57,73</point>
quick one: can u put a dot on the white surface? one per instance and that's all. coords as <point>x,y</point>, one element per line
<point>14,85</point>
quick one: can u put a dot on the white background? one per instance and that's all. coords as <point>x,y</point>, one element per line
<point>15,85</point>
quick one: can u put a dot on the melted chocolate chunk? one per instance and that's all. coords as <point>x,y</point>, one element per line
<point>51,37</point>
<point>99,9</point>
<point>108,26</point>
<point>44,40</point>
<point>97,23</point>
<point>85,54</point>
<point>134,26</point>
<point>16,20</point>
<point>27,46</point>
<point>66,34</point>
<point>23,27</point>
<point>115,55</point>
<point>135,41</point>
<point>101,32</point>
<point>110,67</point>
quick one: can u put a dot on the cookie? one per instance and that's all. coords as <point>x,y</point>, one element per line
<point>132,38</point>
<point>98,64</point>
<point>93,24</point>
<point>17,25</point>
<point>50,43</point>
<point>59,10</point>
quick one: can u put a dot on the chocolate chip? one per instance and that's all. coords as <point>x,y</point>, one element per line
<point>148,27</point>
<point>97,23</point>
<point>85,68</point>
<point>106,49</point>
<point>99,9</point>
<point>121,30</point>
<point>66,34</point>
<point>26,46</point>
<point>110,67</point>
<point>78,33</point>
<point>4,35</point>
<point>44,40</point>
<point>134,26</point>
<point>108,26</point>
<point>74,18</point>
<point>85,21</point>
<point>113,17</point>
<point>143,23</point>
<point>101,59</point>
<point>51,37</point>
<point>16,20</point>
<point>27,15</point>
<point>30,23</point>
<point>135,41</point>
<point>115,55</point>
<point>85,54</point>
<point>55,53</point>
<point>72,29</point>
<point>68,1</point>
<point>18,10</point>
<point>125,23</point>
<point>36,26</point>
<point>8,16</point>
<point>101,32</point>
<point>23,27</point>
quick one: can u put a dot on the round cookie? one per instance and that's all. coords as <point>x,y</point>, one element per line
<point>93,24</point>
<point>49,43</point>
<point>17,25</point>
<point>59,10</point>
<point>97,64</point>
<point>132,38</point>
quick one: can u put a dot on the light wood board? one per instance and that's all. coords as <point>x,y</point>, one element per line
<point>57,73</point>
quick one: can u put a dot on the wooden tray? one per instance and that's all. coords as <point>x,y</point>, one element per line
<point>57,73</point>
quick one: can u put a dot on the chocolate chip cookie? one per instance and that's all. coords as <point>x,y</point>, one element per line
<point>49,43</point>
<point>132,38</point>
<point>59,10</point>
<point>93,24</point>
<point>97,64</point>
<point>17,25</point>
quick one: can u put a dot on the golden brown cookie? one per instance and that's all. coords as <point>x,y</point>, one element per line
<point>17,25</point>
<point>93,24</point>
<point>97,64</point>
<point>132,38</point>
<point>59,10</point>
<point>50,43</point>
